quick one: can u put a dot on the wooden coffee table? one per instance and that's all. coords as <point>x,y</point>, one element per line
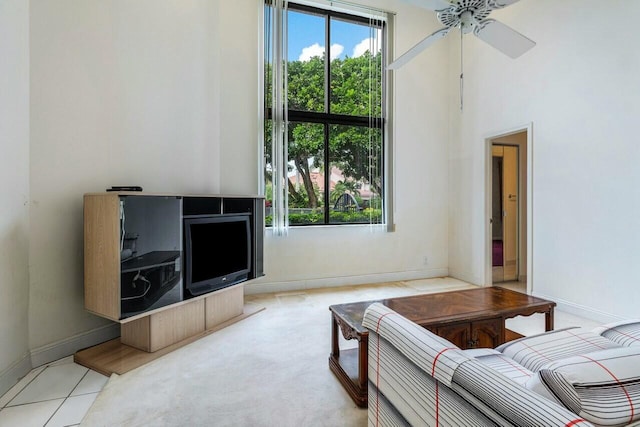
<point>469,318</point>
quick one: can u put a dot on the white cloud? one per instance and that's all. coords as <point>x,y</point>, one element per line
<point>336,50</point>
<point>370,43</point>
<point>317,50</point>
<point>311,51</point>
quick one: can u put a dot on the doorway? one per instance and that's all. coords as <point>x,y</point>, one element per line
<point>508,237</point>
<point>504,213</point>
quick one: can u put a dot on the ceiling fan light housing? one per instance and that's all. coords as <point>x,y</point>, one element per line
<point>465,14</point>
<point>467,22</point>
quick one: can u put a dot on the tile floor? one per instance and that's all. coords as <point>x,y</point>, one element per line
<point>55,395</point>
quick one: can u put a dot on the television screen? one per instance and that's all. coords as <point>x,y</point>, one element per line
<point>218,252</point>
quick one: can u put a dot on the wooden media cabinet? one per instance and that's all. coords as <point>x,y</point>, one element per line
<point>143,270</point>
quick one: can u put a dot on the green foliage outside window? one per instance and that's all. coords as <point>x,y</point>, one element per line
<point>354,149</point>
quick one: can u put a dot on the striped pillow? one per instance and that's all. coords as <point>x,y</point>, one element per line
<point>626,333</point>
<point>538,350</point>
<point>602,387</point>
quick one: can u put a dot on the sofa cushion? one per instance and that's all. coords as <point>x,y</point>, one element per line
<point>538,350</point>
<point>602,387</point>
<point>625,333</point>
<point>501,363</point>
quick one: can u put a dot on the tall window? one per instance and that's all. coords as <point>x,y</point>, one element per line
<point>324,116</point>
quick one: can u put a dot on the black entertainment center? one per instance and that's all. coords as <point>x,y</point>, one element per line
<point>160,250</point>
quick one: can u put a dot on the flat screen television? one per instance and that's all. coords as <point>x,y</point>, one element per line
<point>217,252</point>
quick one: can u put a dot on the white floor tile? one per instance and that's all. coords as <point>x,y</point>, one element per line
<point>91,383</point>
<point>63,361</point>
<point>72,410</point>
<point>31,415</point>
<point>13,391</point>
<point>52,383</point>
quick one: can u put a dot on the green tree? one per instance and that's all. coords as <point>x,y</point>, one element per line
<point>350,147</point>
<point>346,186</point>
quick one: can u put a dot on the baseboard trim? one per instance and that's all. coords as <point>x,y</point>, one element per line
<point>468,277</point>
<point>69,346</point>
<point>581,310</point>
<point>261,287</point>
<point>11,375</point>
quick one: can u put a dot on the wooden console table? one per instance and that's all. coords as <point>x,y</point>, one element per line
<point>468,318</point>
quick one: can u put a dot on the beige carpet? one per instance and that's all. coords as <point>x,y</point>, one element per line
<point>268,370</point>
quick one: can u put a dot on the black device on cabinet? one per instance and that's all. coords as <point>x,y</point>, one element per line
<point>217,252</point>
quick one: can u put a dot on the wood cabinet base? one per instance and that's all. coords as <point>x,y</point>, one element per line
<point>162,329</point>
<point>169,326</point>
<point>114,357</point>
<point>147,338</point>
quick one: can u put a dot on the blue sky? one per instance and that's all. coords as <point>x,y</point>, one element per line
<point>306,37</point>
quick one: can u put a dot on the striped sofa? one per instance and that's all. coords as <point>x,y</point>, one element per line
<point>568,377</point>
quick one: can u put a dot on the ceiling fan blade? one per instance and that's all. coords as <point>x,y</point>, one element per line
<point>431,4</point>
<point>418,48</point>
<point>504,38</point>
<point>499,4</point>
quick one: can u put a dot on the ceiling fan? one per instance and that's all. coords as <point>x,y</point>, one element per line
<point>469,16</point>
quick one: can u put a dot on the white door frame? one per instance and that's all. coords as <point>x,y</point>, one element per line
<point>488,142</point>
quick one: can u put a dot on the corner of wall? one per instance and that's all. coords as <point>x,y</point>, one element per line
<point>10,376</point>
<point>63,348</point>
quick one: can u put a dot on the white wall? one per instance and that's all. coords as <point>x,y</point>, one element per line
<point>164,94</point>
<point>328,256</point>
<point>14,176</point>
<point>237,77</point>
<point>579,88</point>
<point>122,93</point>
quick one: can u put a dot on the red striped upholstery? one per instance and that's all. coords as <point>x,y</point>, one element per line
<point>602,387</point>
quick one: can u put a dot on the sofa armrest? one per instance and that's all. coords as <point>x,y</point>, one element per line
<point>436,356</point>
<point>522,407</point>
<point>625,332</point>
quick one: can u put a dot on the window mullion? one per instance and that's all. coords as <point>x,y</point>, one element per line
<point>327,174</point>
<point>327,110</point>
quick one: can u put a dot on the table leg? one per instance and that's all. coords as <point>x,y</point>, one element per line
<point>363,362</point>
<point>548,320</point>
<point>353,378</point>
<point>335,348</point>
